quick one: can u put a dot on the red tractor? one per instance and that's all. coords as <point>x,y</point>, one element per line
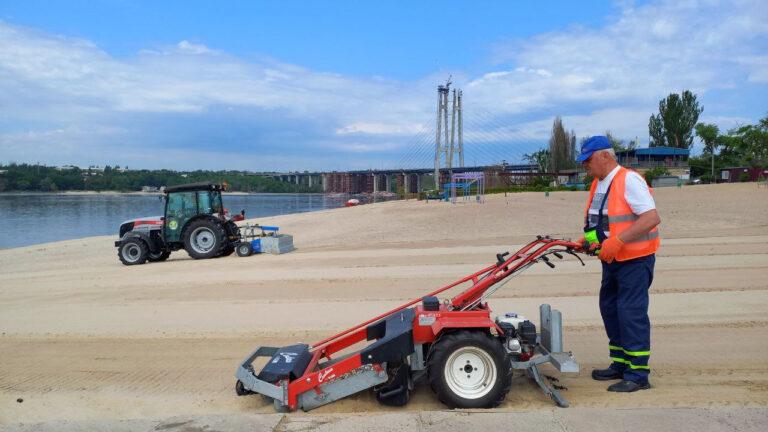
<point>195,220</point>
<point>467,356</point>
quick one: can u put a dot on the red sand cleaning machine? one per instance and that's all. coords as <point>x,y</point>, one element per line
<point>466,356</point>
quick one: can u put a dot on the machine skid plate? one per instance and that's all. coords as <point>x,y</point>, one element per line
<point>251,382</point>
<point>551,337</point>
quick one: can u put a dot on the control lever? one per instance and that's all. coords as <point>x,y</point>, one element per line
<point>547,262</point>
<point>557,254</point>
<point>500,258</point>
<point>576,255</point>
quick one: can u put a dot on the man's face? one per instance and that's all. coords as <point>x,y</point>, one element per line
<point>598,164</point>
<point>590,164</point>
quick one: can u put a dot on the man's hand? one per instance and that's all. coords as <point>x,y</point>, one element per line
<point>610,248</point>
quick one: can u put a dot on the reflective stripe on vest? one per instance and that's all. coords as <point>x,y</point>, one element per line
<point>620,218</point>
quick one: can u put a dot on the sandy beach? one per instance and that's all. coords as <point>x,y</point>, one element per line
<point>87,342</point>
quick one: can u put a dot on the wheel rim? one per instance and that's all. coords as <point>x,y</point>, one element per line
<point>243,250</point>
<point>203,240</point>
<point>470,372</point>
<point>131,252</point>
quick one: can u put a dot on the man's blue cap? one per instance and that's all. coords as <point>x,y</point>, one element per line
<point>591,145</point>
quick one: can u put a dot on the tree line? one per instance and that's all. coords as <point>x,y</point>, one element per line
<point>675,125</point>
<point>40,178</point>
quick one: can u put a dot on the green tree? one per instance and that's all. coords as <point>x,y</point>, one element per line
<point>673,126</point>
<point>616,143</point>
<point>47,185</point>
<point>539,158</point>
<point>561,147</point>
<point>709,133</point>
<point>753,143</point>
<point>656,131</point>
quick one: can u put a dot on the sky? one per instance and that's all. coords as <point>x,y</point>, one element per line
<point>319,86</point>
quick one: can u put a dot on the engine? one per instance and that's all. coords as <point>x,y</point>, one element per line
<point>519,335</point>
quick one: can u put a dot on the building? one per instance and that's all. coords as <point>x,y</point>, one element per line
<point>738,174</point>
<point>673,159</point>
<point>654,157</point>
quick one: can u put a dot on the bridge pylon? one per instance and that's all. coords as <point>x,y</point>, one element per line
<point>449,143</point>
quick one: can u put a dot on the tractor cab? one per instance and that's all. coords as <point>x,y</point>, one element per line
<point>186,202</point>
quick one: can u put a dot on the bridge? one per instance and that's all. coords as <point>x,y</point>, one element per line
<point>407,181</point>
<point>440,150</point>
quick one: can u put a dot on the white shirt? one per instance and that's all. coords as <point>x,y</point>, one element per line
<point>636,193</point>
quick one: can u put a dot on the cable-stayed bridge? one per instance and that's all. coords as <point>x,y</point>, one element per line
<point>458,141</point>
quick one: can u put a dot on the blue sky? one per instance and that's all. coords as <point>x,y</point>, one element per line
<point>351,85</point>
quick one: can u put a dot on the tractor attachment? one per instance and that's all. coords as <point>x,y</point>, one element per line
<point>467,357</point>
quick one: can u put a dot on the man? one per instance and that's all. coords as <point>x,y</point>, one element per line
<point>620,225</point>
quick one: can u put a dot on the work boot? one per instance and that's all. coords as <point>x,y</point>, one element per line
<point>606,374</point>
<point>626,386</point>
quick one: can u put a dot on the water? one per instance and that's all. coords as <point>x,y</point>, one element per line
<point>29,219</point>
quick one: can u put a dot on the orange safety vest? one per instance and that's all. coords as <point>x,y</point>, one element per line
<point>620,218</point>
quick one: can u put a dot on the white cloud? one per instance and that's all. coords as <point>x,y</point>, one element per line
<point>648,52</point>
<point>189,78</point>
<point>66,98</point>
<point>380,129</point>
<point>189,47</point>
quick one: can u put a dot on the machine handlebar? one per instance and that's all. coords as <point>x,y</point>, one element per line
<point>485,278</point>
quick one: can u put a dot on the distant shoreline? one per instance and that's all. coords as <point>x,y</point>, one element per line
<point>89,193</point>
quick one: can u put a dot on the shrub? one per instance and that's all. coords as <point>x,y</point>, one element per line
<point>655,172</point>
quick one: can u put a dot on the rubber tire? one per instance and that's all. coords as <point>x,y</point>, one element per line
<point>441,352</point>
<point>218,232</point>
<point>229,250</point>
<point>396,400</point>
<point>244,249</point>
<point>143,251</point>
<point>240,389</point>
<point>162,256</point>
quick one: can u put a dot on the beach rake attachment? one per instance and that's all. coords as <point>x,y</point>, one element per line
<point>467,357</point>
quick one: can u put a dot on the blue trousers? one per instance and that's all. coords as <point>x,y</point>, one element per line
<point>624,307</point>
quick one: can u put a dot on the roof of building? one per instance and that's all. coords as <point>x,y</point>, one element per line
<point>656,151</point>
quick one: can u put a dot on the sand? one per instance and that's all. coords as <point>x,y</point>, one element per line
<point>88,341</point>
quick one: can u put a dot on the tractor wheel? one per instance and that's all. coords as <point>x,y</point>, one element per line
<point>204,238</point>
<point>159,256</point>
<point>244,249</point>
<point>229,250</point>
<point>133,251</point>
<point>469,369</point>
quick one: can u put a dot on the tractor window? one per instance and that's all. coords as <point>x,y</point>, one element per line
<point>182,205</point>
<point>218,207</point>
<point>204,202</point>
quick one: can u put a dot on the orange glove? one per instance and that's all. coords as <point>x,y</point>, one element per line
<point>609,248</point>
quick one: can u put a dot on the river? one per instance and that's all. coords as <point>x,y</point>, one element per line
<point>28,219</point>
